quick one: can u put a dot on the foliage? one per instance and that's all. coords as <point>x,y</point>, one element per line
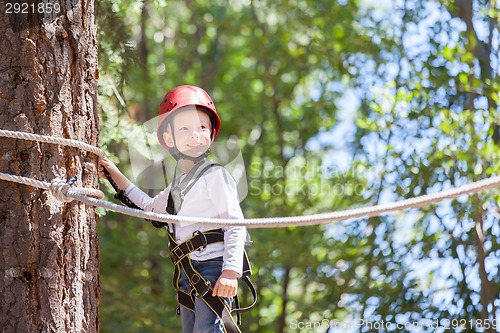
<point>381,103</point>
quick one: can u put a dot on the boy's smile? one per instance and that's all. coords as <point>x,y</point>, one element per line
<point>191,132</point>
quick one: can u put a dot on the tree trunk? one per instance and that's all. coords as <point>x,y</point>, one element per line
<point>488,311</point>
<point>482,52</point>
<point>284,299</point>
<point>49,265</point>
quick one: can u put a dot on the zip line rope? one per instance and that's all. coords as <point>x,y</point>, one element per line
<point>63,191</point>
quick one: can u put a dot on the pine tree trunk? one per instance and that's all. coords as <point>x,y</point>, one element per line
<point>488,311</point>
<point>49,265</point>
<point>284,299</point>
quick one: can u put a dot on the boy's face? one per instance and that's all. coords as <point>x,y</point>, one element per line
<point>192,131</point>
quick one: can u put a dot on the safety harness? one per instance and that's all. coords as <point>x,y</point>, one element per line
<point>180,253</point>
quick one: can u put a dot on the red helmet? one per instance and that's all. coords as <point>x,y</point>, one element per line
<point>180,97</point>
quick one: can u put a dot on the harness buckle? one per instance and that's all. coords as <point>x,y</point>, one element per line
<point>205,290</point>
<point>203,238</point>
<point>178,253</point>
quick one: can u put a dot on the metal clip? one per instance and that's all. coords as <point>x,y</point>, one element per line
<point>71,180</point>
<point>204,291</point>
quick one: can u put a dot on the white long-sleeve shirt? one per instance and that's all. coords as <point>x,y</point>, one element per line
<point>213,195</point>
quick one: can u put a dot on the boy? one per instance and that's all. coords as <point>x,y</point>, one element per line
<point>188,124</point>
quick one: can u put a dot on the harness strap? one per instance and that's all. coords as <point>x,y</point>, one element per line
<point>179,188</point>
<point>120,194</point>
<point>202,288</point>
<point>246,278</point>
<point>186,300</point>
<point>179,253</point>
<point>198,242</point>
<point>239,310</point>
<point>180,256</point>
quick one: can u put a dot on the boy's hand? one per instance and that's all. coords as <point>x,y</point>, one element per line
<point>227,284</point>
<point>108,165</point>
<point>115,173</point>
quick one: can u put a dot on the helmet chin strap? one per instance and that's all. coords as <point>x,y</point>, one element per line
<point>177,155</point>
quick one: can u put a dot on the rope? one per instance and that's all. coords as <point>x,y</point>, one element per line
<point>58,187</point>
<point>278,222</point>
<point>82,194</point>
<point>67,193</point>
<point>51,139</point>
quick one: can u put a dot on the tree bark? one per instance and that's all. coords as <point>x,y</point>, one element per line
<point>488,311</point>
<point>482,51</point>
<point>49,265</point>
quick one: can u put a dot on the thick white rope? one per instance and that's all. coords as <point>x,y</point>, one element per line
<point>52,139</point>
<point>66,193</point>
<point>58,187</point>
<point>277,222</point>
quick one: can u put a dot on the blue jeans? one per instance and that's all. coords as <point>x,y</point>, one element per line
<point>203,319</point>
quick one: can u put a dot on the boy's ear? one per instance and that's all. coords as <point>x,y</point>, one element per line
<point>167,137</point>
